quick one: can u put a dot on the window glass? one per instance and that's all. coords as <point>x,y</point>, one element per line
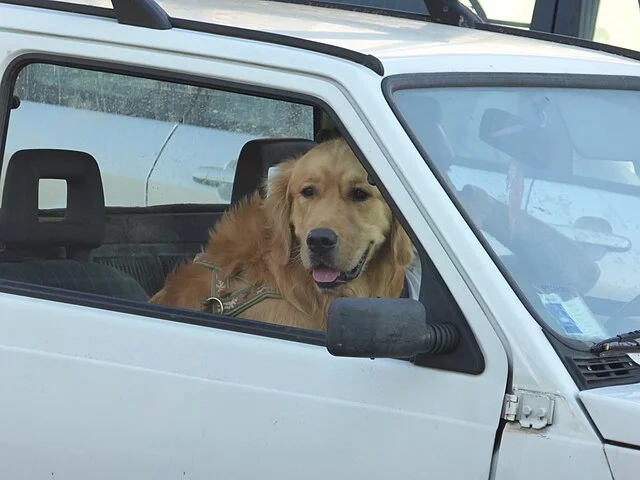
<point>155,142</point>
<point>503,12</point>
<point>550,177</point>
<point>616,22</point>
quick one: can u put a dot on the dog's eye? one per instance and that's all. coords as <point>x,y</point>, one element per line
<point>308,192</point>
<point>358,194</point>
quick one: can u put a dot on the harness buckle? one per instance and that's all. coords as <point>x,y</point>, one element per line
<point>209,302</point>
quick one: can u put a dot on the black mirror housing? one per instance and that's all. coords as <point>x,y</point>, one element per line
<point>517,137</point>
<point>385,328</point>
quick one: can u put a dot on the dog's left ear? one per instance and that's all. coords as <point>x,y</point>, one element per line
<point>401,246</point>
<point>278,208</point>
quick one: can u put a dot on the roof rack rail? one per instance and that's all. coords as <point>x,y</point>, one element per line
<point>366,6</point>
<point>141,13</point>
<point>562,39</point>
<point>448,12</point>
<point>370,61</point>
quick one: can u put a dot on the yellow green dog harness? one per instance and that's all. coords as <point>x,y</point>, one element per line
<point>235,302</point>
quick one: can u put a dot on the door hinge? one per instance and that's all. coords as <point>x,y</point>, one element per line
<point>529,409</point>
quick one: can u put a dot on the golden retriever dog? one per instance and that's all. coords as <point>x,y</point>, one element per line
<point>322,232</point>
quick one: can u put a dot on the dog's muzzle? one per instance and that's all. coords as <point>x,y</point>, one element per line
<point>328,278</point>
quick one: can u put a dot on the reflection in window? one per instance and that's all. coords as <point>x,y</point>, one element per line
<point>549,176</point>
<point>164,101</point>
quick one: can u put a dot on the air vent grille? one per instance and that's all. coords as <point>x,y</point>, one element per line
<point>606,370</point>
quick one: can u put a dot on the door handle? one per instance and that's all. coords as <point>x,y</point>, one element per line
<point>213,176</point>
<point>219,178</point>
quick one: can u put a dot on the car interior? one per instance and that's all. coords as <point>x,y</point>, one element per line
<point>114,251</point>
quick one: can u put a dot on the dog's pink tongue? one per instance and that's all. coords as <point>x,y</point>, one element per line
<point>325,275</point>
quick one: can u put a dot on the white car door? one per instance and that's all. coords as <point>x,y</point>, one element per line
<point>95,388</point>
<point>89,393</point>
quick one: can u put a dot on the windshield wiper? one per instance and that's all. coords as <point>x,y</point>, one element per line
<point>626,342</point>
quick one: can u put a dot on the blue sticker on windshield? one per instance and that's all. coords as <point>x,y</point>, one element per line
<point>570,312</point>
<point>564,319</point>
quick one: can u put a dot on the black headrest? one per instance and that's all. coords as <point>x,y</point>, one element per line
<point>257,156</point>
<point>427,118</point>
<point>21,223</point>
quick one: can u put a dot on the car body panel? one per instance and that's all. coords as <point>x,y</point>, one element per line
<point>202,382</point>
<point>613,410</point>
<point>562,455</point>
<point>106,394</point>
<point>623,461</point>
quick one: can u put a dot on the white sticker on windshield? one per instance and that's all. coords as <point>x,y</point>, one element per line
<point>571,312</point>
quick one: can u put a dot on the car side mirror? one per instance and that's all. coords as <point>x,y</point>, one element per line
<point>385,328</point>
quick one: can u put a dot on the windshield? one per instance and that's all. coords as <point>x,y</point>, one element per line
<point>550,177</point>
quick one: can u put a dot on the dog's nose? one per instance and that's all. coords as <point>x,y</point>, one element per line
<point>321,240</point>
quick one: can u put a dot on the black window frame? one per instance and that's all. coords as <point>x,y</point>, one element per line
<point>568,350</point>
<point>560,16</point>
<point>468,357</point>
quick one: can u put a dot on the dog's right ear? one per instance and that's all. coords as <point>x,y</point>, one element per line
<point>401,246</point>
<point>278,208</point>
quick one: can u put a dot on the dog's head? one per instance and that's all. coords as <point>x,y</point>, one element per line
<point>323,206</point>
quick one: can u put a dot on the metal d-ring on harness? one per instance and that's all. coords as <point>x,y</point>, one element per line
<point>236,302</point>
